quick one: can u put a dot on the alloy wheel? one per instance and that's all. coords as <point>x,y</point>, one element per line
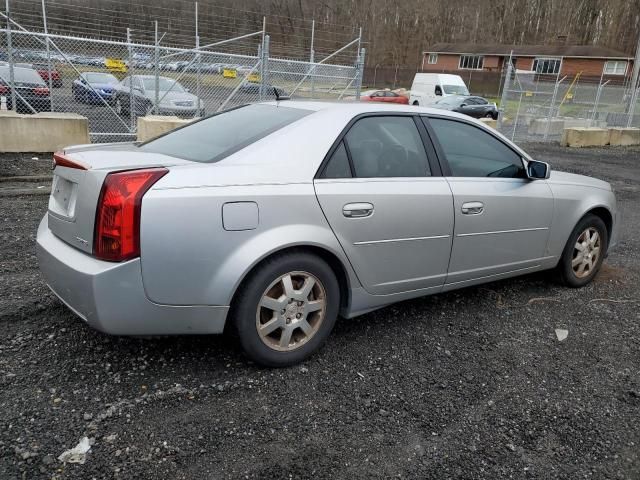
<point>291,311</point>
<point>586,253</point>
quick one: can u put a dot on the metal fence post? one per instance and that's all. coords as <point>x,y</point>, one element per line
<point>199,64</point>
<point>131,109</point>
<point>312,55</point>
<point>12,83</point>
<point>505,93</point>
<point>359,72</point>
<point>551,115</point>
<point>46,32</point>
<point>594,113</point>
<point>156,68</point>
<point>264,65</point>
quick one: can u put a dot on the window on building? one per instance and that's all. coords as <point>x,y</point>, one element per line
<point>433,58</point>
<point>546,65</point>
<point>615,67</point>
<point>471,62</point>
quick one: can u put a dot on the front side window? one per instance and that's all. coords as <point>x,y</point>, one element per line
<point>214,138</point>
<point>471,62</point>
<point>615,67</point>
<point>546,65</point>
<point>472,152</point>
<point>387,146</point>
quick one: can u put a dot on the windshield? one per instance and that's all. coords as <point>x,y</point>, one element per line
<point>101,78</point>
<point>216,137</point>
<point>455,90</point>
<point>22,76</point>
<point>164,84</point>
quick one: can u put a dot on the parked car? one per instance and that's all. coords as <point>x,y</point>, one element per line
<point>473,106</point>
<point>93,87</point>
<point>31,91</point>
<point>43,71</point>
<point>428,87</point>
<point>386,96</point>
<point>269,90</point>
<point>276,217</point>
<point>174,98</point>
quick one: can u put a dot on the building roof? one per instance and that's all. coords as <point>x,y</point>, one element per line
<point>583,51</point>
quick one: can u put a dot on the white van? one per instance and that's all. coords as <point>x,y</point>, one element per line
<point>429,87</point>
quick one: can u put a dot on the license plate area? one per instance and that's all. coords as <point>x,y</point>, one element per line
<point>62,201</point>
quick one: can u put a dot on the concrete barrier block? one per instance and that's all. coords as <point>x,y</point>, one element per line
<point>585,137</point>
<point>42,132</point>
<point>153,126</point>
<point>624,136</point>
<point>539,126</point>
<point>489,122</point>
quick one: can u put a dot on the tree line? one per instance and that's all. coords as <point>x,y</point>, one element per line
<point>395,32</point>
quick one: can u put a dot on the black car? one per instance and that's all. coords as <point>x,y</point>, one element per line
<point>31,91</point>
<point>473,106</point>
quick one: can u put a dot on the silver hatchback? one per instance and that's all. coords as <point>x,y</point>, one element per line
<point>275,218</point>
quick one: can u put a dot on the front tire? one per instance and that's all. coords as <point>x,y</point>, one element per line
<point>584,253</point>
<point>286,309</point>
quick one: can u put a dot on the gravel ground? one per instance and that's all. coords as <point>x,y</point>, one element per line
<point>468,384</point>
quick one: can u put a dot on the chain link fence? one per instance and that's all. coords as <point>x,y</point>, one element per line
<point>538,106</point>
<point>113,83</point>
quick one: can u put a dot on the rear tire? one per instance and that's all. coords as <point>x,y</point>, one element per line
<point>585,250</point>
<point>286,309</point>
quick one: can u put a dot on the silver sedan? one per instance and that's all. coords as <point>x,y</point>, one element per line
<point>275,218</point>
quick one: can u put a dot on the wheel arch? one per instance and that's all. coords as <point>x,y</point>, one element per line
<point>334,262</point>
<point>605,215</point>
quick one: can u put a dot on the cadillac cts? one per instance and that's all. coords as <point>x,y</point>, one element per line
<point>275,218</point>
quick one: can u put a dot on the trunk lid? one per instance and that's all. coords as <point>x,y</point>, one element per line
<point>75,191</point>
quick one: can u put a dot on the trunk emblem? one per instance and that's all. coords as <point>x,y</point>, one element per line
<point>82,241</point>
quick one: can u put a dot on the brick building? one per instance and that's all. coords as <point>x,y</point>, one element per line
<point>589,60</point>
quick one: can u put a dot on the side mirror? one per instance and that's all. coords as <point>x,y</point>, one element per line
<point>538,170</point>
<point>438,93</point>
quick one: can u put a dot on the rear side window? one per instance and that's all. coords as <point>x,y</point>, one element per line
<point>216,137</point>
<point>387,146</point>
<point>472,152</point>
<point>338,166</point>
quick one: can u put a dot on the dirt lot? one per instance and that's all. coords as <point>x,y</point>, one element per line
<point>469,384</point>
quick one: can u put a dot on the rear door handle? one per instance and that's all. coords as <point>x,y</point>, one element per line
<point>357,210</point>
<point>472,208</point>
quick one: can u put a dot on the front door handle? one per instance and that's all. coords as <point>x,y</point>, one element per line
<point>472,208</point>
<point>357,210</point>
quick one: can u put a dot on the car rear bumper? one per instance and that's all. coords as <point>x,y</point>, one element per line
<point>110,297</point>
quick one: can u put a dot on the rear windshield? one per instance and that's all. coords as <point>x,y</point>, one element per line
<point>218,136</point>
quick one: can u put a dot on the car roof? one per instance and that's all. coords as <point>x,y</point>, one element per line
<point>354,108</point>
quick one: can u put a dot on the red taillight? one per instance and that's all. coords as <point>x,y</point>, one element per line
<point>59,160</point>
<point>3,90</point>
<point>41,91</point>
<point>117,229</point>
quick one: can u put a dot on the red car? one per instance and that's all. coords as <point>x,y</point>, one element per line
<point>43,71</point>
<point>386,96</point>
